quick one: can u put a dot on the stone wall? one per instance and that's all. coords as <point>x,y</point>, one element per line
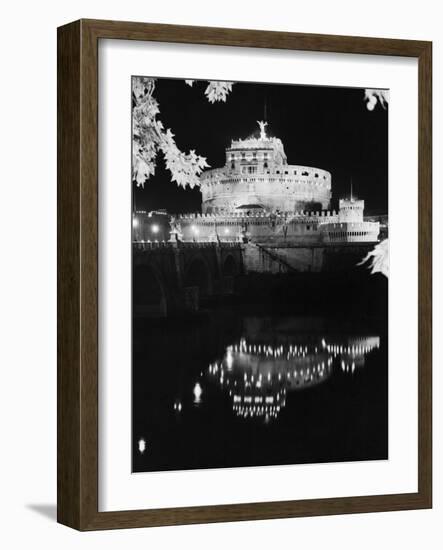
<point>285,188</point>
<point>316,259</point>
<point>259,227</point>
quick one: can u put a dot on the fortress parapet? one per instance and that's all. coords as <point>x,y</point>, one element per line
<point>326,226</point>
<point>261,227</point>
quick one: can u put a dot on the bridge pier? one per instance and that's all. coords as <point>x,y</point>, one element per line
<point>187,274</point>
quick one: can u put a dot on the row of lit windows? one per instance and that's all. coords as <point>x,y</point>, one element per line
<point>243,156</point>
<point>253,169</point>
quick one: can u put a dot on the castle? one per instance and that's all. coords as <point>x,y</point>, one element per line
<point>258,197</point>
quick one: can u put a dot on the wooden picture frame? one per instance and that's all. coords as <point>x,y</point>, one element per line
<point>78,274</point>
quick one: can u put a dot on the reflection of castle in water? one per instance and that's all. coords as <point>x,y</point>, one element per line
<point>258,376</point>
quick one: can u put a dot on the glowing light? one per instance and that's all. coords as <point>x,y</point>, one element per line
<point>194,229</point>
<point>226,231</point>
<point>141,446</point>
<point>197,393</point>
<point>154,228</point>
<point>134,222</point>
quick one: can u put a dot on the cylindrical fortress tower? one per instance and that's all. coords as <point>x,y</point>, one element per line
<point>351,210</point>
<point>256,175</point>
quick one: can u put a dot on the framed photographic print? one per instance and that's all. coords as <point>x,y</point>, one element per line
<point>244,275</point>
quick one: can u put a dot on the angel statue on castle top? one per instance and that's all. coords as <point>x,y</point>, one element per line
<point>262,125</point>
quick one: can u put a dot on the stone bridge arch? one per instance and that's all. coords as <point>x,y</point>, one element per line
<point>170,279</point>
<point>230,266</point>
<point>149,294</point>
<point>198,274</point>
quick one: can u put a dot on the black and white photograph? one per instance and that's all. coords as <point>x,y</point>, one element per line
<point>220,290</point>
<point>260,265</point>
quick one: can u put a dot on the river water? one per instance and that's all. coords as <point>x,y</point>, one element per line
<point>230,389</point>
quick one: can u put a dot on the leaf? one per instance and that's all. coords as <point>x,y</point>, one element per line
<point>374,96</point>
<point>378,258</point>
<point>218,90</point>
<point>149,136</point>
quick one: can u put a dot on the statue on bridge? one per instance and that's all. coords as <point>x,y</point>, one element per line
<point>175,234</point>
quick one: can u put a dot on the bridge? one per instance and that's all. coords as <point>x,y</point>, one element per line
<point>174,277</point>
<point>169,278</point>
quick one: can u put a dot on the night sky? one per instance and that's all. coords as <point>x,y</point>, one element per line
<point>328,128</point>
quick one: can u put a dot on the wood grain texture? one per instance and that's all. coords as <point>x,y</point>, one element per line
<point>254,38</point>
<point>77,174</point>
<point>68,275</point>
<point>425,274</point>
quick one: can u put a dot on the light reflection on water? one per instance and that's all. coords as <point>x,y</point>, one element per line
<point>239,390</point>
<point>258,377</point>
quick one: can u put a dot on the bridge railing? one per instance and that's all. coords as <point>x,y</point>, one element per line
<point>154,245</point>
<point>150,245</point>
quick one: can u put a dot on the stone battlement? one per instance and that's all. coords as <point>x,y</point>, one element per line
<point>281,216</point>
